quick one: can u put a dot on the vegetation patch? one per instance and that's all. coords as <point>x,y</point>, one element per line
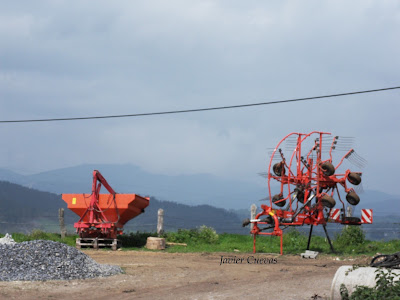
<point>386,288</point>
<point>350,241</point>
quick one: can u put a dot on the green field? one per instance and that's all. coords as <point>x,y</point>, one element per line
<point>350,241</point>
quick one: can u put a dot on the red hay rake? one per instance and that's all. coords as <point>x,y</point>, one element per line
<point>308,183</point>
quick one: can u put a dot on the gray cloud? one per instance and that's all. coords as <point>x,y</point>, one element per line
<point>96,58</point>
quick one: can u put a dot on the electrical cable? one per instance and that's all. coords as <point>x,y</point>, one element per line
<point>198,109</point>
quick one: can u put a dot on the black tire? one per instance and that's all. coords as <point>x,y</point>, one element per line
<point>300,197</point>
<point>267,219</point>
<point>328,201</point>
<point>276,198</point>
<point>279,168</point>
<point>327,169</point>
<point>245,222</point>
<point>352,198</point>
<point>354,178</point>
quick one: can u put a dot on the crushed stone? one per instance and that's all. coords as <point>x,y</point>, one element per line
<point>41,260</point>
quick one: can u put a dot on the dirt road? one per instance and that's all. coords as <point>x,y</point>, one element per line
<point>158,275</point>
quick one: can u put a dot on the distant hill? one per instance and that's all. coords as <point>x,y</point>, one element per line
<point>200,189</point>
<point>187,189</point>
<point>23,209</point>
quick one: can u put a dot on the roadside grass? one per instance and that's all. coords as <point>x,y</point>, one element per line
<point>349,242</point>
<point>41,235</point>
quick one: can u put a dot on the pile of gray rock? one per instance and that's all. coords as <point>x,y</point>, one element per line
<point>48,260</point>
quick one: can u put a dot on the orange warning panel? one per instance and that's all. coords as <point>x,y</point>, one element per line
<point>119,210</point>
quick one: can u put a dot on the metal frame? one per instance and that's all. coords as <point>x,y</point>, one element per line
<point>303,179</point>
<point>98,225</point>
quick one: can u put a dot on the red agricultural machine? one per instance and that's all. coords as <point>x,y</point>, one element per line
<point>102,216</point>
<point>308,183</point>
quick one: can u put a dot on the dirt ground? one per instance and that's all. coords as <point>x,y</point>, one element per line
<point>159,275</point>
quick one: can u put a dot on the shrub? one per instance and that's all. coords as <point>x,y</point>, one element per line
<point>203,234</point>
<point>38,234</point>
<point>137,239</point>
<point>208,235</point>
<point>350,236</point>
<point>181,236</point>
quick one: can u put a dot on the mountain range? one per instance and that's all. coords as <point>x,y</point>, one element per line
<point>23,209</point>
<point>199,189</point>
<point>187,189</point>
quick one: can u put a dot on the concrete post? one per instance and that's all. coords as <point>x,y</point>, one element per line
<point>253,210</point>
<point>349,213</point>
<point>62,223</point>
<point>160,222</point>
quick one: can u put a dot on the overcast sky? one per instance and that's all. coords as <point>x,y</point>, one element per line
<point>83,58</point>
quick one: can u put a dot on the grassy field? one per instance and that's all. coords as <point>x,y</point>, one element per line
<point>350,241</point>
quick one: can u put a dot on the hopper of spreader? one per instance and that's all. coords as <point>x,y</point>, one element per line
<point>118,211</point>
<point>103,215</point>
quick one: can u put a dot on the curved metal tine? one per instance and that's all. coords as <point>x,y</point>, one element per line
<point>265,199</point>
<point>275,158</point>
<point>292,137</point>
<point>271,151</point>
<point>360,157</point>
<point>362,162</point>
<point>357,160</point>
<point>356,163</point>
<point>343,147</point>
<point>344,142</point>
<point>359,188</point>
<point>356,156</point>
<point>350,145</point>
<point>336,149</point>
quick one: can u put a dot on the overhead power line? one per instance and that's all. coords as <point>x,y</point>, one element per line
<point>198,109</point>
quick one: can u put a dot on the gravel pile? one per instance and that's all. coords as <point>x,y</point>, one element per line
<point>47,260</point>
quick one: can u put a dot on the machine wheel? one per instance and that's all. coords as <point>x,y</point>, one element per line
<point>352,198</point>
<point>268,219</point>
<point>245,222</point>
<point>354,178</point>
<point>279,169</point>
<point>300,197</point>
<point>328,201</point>
<point>276,198</point>
<point>328,169</point>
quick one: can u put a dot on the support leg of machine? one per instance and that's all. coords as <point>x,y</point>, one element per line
<point>329,240</point>
<point>309,237</point>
